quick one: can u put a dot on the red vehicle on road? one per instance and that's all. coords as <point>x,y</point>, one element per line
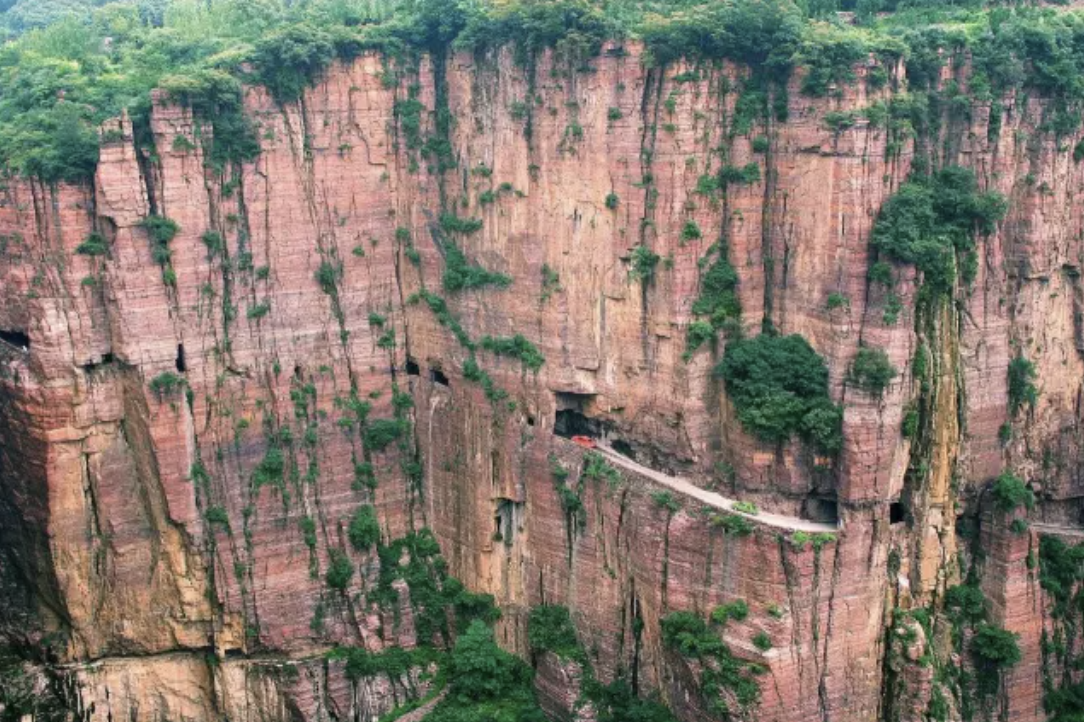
<point>585,441</point>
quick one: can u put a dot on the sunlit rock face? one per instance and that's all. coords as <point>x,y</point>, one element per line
<point>182,444</point>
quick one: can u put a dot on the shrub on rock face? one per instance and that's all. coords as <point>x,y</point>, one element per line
<point>871,370</point>
<point>364,530</point>
<point>1011,493</point>
<point>339,571</point>
<point>779,386</point>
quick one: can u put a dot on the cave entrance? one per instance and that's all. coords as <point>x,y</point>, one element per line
<point>896,513</point>
<point>412,367</point>
<point>505,520</point>
<point>821,509</point>
<point>438,377</point>
<point>18,339</point>
<point>180,363</point>
<point>572,419</point>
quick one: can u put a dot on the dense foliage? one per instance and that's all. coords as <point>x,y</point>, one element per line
<point>931,222</point>
<point>74,63</point>
<point>779,386</point>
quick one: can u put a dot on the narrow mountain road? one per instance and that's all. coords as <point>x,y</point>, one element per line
<point>712,499</point>
<point>1072,531</point>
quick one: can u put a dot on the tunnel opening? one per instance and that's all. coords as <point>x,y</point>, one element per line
<point>505,521</point>
<point>18,339</point>
<point>572,419</point>
<point>438,377</point>
<point>896,513</point>
<point>821,509</point>
<point>412,367</point>
<point>180,362</point>
<point>107,358</point>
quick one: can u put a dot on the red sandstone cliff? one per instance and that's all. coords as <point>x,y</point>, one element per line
<point>109,521</point>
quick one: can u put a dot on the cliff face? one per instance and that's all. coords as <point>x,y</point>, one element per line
<point>171,576</point>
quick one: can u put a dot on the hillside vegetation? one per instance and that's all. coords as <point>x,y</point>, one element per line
<point>71,64</point>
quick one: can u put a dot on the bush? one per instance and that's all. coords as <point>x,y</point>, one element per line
<point>931,219</point>
<point>995,648</point>
<point>1011,493</point>
<point>451,223</point>
<point>364,529</point>
<point>871,370</point>
<point>643,264</point>
<point>216,515</point>
<point>611,201</point>
<point>550,629</point>
<point>289,60</point>
<point>1022,389</point>
<point>691,231</point>
<point>93,245</point>
<point>460,275</point>
<point>762,641</point>
<point>166,384</point>
<point>339,570</point>
<point>161,231</point>
<point>516,347</point>
<point>779,386</point>
<point>382,432</point>
<point>737,610</point>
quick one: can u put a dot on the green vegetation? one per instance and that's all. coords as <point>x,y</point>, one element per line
<point>339,570</point>
<point>762,641</point>
<point>611,201</point>
<point>931,221</point>
<point>364,529</point>
<point>486,683</point>
<point>166,384</point>
<point>642,264</point>
<point>380,433</point>
<point>737,610</point>
<point>550,629</point>
<point>161,231</point>
<point>1022,389</point>
<point>871,370</point>
<point>515,347</point>
<point>93,245</point>
<point>1010,493</point>
<point>746,507</point>
<point>461,275</point>
<point>721,672</point>
<point>779,386</point>
<point>718,300</point>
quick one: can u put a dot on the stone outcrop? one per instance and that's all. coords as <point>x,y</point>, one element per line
<point>168,575</point>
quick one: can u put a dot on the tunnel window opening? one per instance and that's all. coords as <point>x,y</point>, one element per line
<point>18,339</point>
<point>572,418</point>
<point>297,371</point>
<point>896,513</point>
<point>412,367</point>
<point>530,420</point>
<point>107,358</point>
<point>504,521</point>
<point>437,376</point>
<point>821,509</point>
<point>623,447</point>
<point>180,363</point>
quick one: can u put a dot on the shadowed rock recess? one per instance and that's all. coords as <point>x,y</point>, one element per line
<point>704,388</point>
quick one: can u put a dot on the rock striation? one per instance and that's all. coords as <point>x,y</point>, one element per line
<point>182,451</point>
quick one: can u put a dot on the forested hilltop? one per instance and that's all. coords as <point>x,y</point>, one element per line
<point>74,63</point>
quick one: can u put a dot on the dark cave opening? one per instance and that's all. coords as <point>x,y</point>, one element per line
<point>18,339</point>
<point>438,377</point>
<point>571,418</point>
<point>896,513</point>
<point>180,363</point>
<point>412,367</point>
<point>821,509</point>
